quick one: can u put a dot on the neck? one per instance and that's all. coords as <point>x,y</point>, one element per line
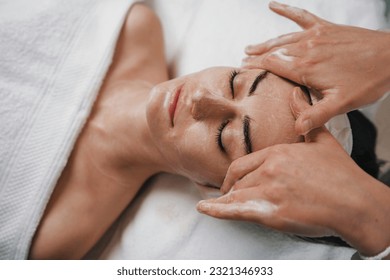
<point>142,150</point>
<point>124,148</point>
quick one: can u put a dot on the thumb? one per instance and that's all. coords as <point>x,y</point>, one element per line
<point>299,102</point>
<point>316,115</point>
<point>320,135</point>
<point>316,134</point>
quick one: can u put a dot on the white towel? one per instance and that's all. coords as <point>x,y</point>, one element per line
<point>54,55</point>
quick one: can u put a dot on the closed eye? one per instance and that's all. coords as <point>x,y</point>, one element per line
<point>218,136</point>
<point>233,74</point>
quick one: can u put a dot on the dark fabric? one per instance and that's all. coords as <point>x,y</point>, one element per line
<point>364,140</point>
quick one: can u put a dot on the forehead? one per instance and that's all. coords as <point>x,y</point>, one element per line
<point>272,121</point>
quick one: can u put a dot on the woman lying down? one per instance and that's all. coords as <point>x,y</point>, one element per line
<point>143,124</point>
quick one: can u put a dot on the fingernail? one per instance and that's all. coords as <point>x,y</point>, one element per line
<point>245,61</point>
<point>274,4</point>
<point>306,126</point>
<point>203,206</point>
<point>296,93</point>
<point>249,48</point>
<point>294,101</point>
<point>299,95</point>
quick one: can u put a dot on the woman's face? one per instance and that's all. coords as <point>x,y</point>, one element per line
<point>202,122</point>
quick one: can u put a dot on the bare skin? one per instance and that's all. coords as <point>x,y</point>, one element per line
<point>89,190</point>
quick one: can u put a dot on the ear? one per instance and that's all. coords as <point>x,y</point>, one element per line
<point>207,191</point>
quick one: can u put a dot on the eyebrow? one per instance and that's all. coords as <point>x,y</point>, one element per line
<point>247,137</point>
<point>257,80</point>
<point>246,121</point>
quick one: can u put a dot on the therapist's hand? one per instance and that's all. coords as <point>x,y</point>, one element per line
<point>311,189</point>
<point>348,65</point>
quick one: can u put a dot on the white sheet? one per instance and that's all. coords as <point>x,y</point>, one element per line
<point>54,55</point>
<point>163,222</point>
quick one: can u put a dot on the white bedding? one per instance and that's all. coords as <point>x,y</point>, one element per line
<point>54,55</point>
<point>163,222</point>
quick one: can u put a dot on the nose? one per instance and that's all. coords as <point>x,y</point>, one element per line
<point>207,105</point>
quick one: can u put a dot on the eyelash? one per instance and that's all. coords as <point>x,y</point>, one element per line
<point>233,74</point>
<point>218,136</point>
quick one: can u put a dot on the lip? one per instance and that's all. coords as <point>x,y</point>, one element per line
<point>173,105</point>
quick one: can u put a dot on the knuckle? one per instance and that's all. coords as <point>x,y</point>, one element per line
<point>231,198</point>
<point>271,169</point>
<point>320,30</point>
<point>311,43</point>
<point>304,15</point>
<point>272,194</point>
<point>275,161</point>
<point>239,184</point>
<point>304,12</point>
<point>278,150</point>
<point>306,62</point>
<point>273,42</point>
<point>266,60</point>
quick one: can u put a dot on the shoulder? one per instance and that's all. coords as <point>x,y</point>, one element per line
<point>142,20</point>
<point>139,53</point>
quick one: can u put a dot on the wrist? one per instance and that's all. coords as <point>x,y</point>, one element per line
<point>377,58</point>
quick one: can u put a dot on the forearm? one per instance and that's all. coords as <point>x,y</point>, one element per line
<point>365,225</point>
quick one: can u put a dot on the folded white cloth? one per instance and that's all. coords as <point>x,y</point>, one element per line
<point>54,55</point>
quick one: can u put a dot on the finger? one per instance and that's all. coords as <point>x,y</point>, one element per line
<point>262,212</point>
<point>256,210</point>
<point>301,17</point>
<point>275,42</point>
<point>240,167</point>
<point>317,115</point>
<point>323,136</point>
<point>255,178</point>
<point>279,62</point>
<point>252,62</point>
<point>299,102</point>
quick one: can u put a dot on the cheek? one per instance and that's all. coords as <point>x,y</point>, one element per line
<point>198,155</point>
